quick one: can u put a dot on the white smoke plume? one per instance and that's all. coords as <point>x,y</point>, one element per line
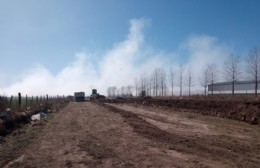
<point>119,65</point>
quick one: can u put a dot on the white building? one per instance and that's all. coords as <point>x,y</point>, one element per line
<point>241,87</point>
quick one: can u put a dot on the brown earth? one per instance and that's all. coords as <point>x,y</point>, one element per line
<point>92,135</point>
<point>236,109</point>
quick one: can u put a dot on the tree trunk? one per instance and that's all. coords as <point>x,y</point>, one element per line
<point>233,87</point>
<point>256,85</point>
<point>212,87</point>
<point>189,91</point>
<point>172,90</point>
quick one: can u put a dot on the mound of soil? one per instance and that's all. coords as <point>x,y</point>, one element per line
<point>237,110</point>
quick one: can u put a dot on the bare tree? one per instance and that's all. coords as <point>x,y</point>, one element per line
<point>232,70</point>
<point>109,91</point>
<point>136,87</point>
<point>113,91</point>
<point>122,90</point>
<point>129,90</point>
<point>171,78</point>
<point>142,82</point>
<point>162,81</point>
<point>118,91</point>
<point>189,80</point>
<point>153,83</point>
<point>254,65</point>
<point>150,85</point>
<point>180,81</point>
<point>212,72</point>
<point>147,84</point>
<point>205,79</point>
<point>155,77</point>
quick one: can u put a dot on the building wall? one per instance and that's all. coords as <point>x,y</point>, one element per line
<point>240,88</point>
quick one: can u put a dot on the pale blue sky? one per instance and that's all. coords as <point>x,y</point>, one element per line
<point>51,32</point>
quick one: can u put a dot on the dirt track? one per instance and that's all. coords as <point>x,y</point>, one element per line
<point>89,135</point>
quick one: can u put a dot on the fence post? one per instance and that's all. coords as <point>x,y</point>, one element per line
<point>10,102</point>
<point>19,100</point>
<point>26,101</point>
<point>32,101</point>
<point>37,100</point>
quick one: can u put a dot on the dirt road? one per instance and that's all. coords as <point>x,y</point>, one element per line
<point>90,135</point>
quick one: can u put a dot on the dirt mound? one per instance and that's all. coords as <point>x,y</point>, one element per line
<point>247,111</point>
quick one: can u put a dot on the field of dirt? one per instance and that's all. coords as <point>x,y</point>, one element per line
<point>236,109</point>
<point>123,135</point>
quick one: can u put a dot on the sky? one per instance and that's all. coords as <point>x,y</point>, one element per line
<point>63,46</point>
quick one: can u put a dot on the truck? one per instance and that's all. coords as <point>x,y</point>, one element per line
<point>79,96</point>
<point>95,96</point>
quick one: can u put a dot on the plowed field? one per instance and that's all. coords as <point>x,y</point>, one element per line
<point>105,135</point>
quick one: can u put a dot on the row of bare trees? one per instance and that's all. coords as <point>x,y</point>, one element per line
<point>124,91</point>
<point>254,65</point>
<point>233,70</point>
<point>154,84</point>
<point>160,83</point>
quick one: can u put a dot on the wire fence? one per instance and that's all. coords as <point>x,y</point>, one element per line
<point>22,102</point>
